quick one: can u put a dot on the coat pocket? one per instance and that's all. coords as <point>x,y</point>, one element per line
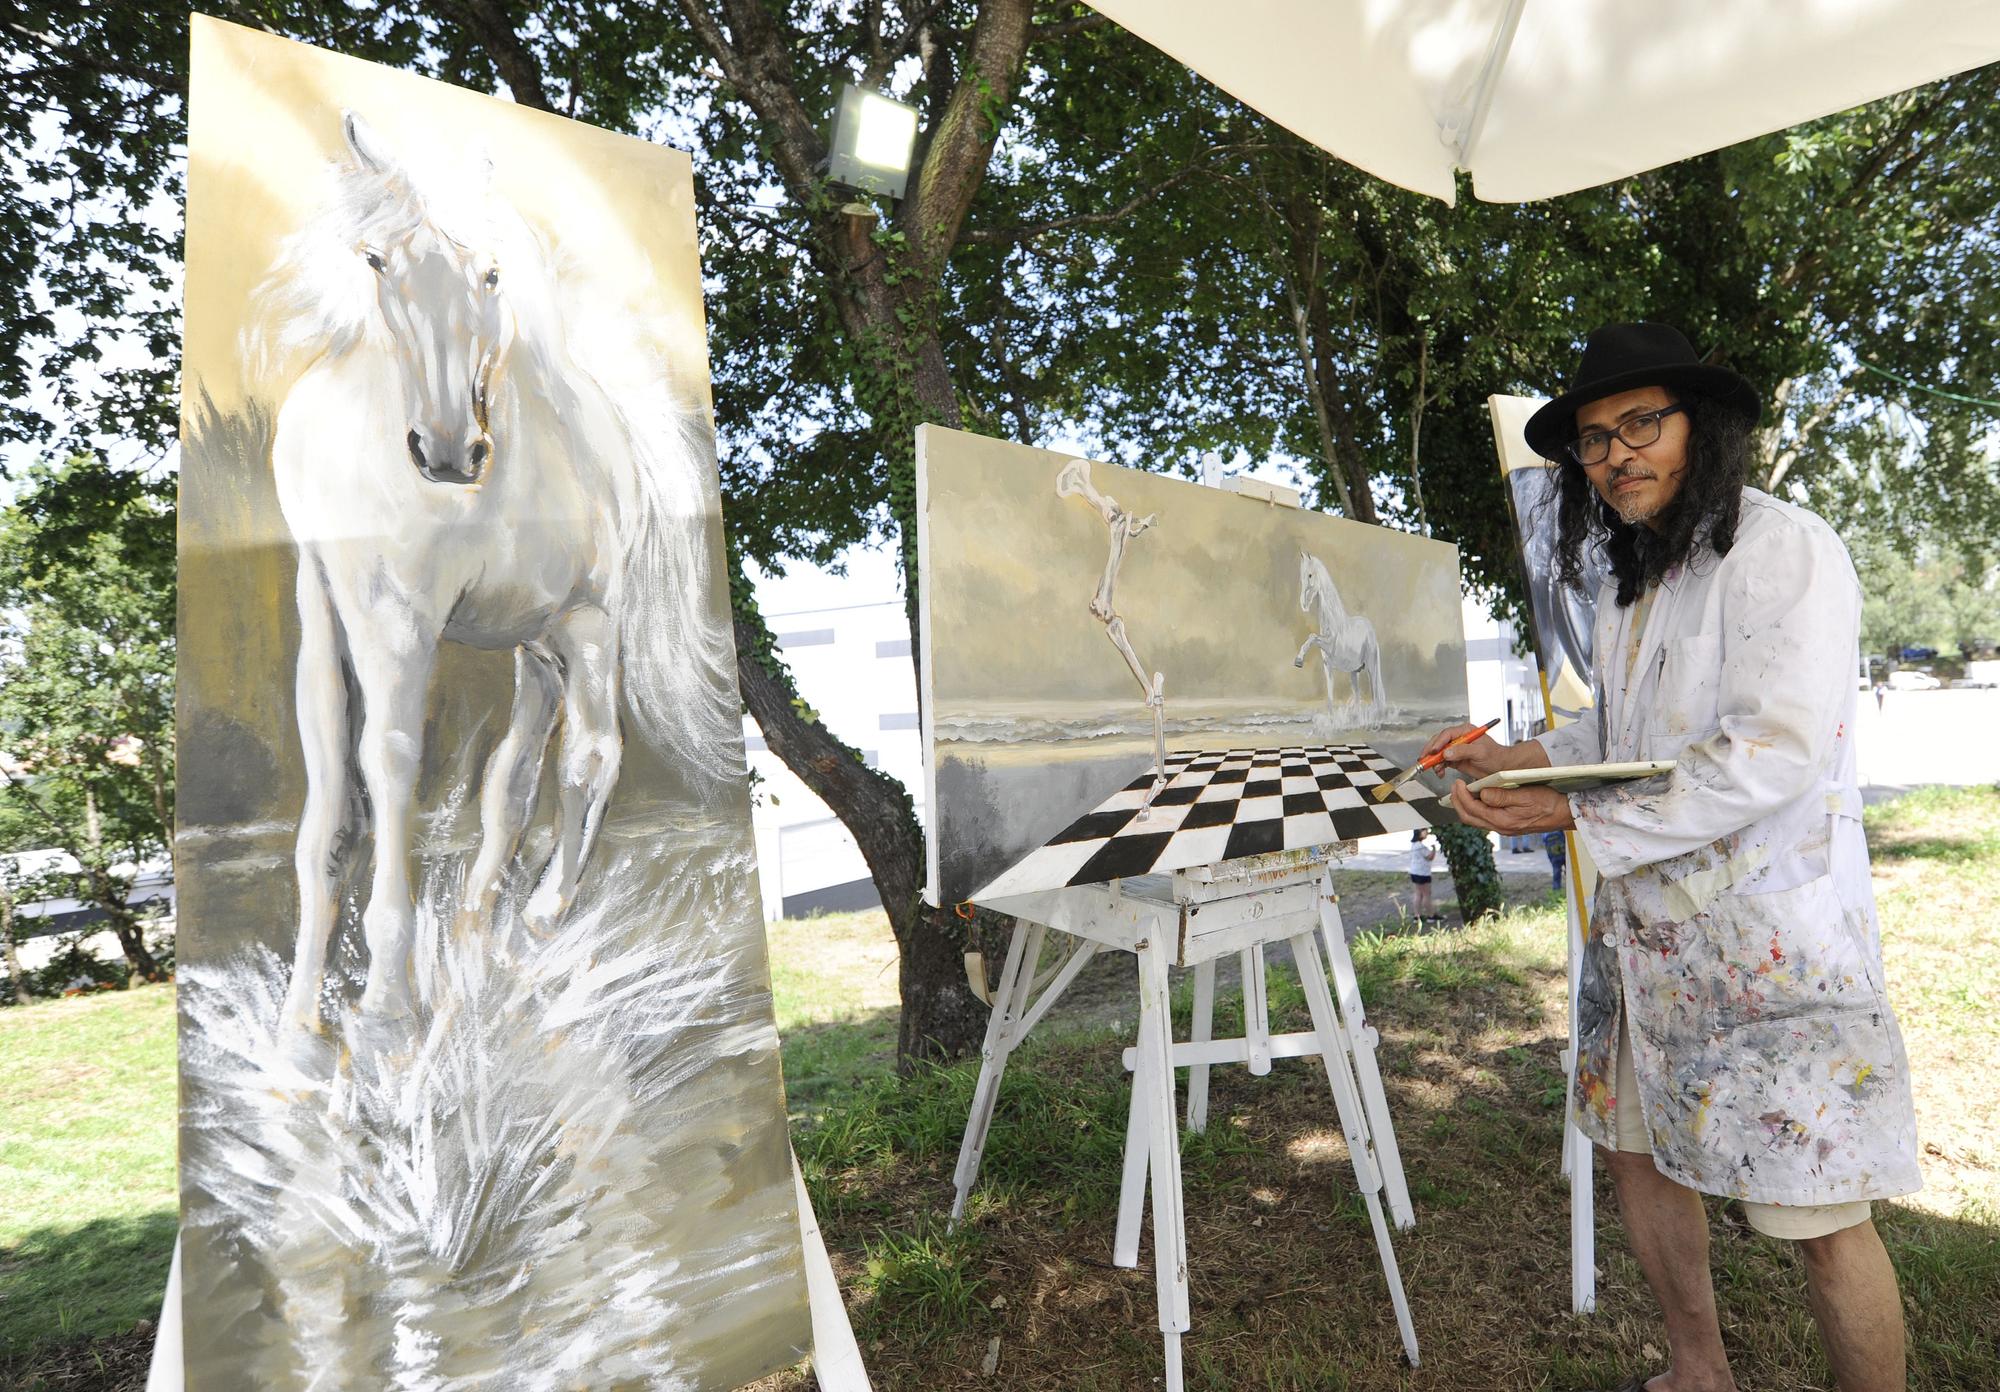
<point>1686,694</point>
<point>1791,952</point>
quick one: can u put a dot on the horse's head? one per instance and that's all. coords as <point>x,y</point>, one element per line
<point>1305,582</point>
<point>443,306</point>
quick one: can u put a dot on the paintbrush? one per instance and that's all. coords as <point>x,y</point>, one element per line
<point>1430,761</point>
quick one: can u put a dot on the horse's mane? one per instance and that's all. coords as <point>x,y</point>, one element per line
<point>318,297</point>
<point>318,300</point>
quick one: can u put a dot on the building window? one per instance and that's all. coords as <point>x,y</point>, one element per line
<point>901,720</point>
<point>755,744</point>
<point>871,759</point>
<point>806,638</point>
<point>893,647</point>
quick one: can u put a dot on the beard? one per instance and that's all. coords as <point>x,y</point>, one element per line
<point>1641,507</point>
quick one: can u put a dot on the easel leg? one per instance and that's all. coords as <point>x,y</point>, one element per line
<point>1017,978</point>
<point>1132,1185</point>
<point>1578,1161</point>
<point>1204,1026</point>
<point>1353,1123</point>
<point>1256,1010</point>
<point>1155,1075</point>
<point>1361,1040</point>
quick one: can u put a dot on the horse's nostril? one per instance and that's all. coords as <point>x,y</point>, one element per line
<point>416,444</point>
<point>478,453</point>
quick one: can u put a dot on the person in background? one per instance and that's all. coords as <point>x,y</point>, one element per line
<point>1422,855</point>
<point>1556,846</point>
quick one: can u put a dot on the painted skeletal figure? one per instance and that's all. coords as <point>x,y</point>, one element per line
<point>1074,482</point>
<point>1346,643</point>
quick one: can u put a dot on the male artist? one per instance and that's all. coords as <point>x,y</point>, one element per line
<point>1734,1035</point>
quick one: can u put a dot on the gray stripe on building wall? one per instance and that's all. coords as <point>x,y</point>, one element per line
<point>900,720</point>
<point>806,638</point>
<point>893,647</point>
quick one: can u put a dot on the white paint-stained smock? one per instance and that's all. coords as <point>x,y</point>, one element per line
<point>1734,924</point>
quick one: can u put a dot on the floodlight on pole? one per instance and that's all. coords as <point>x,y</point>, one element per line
<point>873,136</point>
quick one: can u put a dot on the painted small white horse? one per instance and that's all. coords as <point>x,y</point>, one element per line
<point>450,472</point>
<point>1346,643</point>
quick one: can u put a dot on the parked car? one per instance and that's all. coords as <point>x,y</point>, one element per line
<point>1917,654</point>
<point>1979,649</point>
<point>1913,681</point>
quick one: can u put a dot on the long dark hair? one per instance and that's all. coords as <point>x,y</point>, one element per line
<point>1702,516</point>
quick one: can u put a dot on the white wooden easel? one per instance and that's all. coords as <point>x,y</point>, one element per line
<point>1192,919</point>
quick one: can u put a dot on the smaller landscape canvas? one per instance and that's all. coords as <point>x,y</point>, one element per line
<point>1125,673</point>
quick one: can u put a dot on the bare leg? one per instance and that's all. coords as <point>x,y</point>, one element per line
<point>507,791</point>
<point>393,666</point>
<point>587,643</point>
<point>1668,1229</point>
<point>321,701</point>
<point>1858,1308</point>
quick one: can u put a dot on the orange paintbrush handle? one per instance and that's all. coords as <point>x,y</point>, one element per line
<point>1431,761</point>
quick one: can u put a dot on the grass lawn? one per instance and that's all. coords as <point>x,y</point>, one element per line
<point>1285,1286</point>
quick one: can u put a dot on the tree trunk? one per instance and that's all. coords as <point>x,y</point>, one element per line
<point>14,974</point>
<point>112,896</point>
<point>941,1017</point>
<point>1469,853</point>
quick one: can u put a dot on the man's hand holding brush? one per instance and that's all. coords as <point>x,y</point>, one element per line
<point>1509,811</point>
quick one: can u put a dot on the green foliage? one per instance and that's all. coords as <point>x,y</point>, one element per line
<point>1469,852</point>
<point>86,687</point>
<point>1936,602</point>
<point>922,1278</point>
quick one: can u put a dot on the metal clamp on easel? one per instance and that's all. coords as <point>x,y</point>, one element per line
<point>1193,918</point>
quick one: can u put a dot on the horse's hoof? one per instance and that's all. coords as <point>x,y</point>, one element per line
<point>1298,662</point>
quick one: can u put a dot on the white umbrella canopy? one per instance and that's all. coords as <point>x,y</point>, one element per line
<point>1542,97</point>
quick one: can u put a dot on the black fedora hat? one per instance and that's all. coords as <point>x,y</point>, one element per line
<point>1620,357</point>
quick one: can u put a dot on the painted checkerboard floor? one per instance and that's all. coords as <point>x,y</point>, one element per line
<point>1221,805</point>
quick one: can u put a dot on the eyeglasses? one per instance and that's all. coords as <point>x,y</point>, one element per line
<point>1637,432</point>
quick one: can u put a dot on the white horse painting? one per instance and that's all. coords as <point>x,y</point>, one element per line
<point>451,472</point>
<point>1346,643</point>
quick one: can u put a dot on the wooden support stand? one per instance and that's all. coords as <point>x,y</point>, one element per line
<point>1192,919</point>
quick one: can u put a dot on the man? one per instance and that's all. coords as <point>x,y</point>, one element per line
<point>1734,1035</point>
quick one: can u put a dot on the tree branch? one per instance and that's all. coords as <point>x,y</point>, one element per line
<point>518,64</point>
<point>882,61</point>
<point>955,162</point>
<point>1008,236</point>
<point>756,58</point>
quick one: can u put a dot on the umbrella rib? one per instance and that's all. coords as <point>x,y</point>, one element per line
<point>1489,78</point>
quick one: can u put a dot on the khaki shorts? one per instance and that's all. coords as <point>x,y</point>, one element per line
<point>1792,1222</point>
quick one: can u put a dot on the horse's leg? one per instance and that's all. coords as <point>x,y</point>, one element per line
<point>1313,642</point>
<point>1375,675</point>
<point>513,773</point>
<point>320,695</point>
<point>586,641</point>
<point>392,663</point>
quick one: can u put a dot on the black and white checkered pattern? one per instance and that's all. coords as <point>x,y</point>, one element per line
<point>1222,805</point>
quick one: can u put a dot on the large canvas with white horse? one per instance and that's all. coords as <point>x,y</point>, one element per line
<point>480,1079</point>
<point>1081,619</point>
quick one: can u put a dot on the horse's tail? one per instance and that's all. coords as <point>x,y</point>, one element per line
<point>679,653</point>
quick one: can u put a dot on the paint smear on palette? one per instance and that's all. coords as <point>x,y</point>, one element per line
<point>479,1072</point>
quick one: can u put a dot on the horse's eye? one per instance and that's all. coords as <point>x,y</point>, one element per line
<point>375,262</point>
<point>493,278</point>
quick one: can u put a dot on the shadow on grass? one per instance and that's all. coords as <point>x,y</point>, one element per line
<point>63,1284</point>
<point>826,1062</point>
<point>1961,849</point>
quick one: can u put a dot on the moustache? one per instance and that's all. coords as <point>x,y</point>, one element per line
<point>1621,475</point>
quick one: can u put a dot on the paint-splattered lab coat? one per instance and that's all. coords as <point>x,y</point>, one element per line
<point>1734,922</point>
